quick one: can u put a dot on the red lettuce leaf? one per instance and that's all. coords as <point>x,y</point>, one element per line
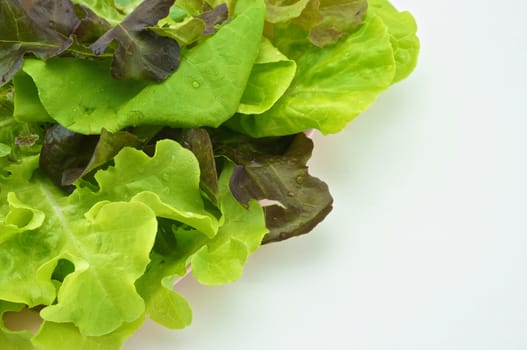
<point>41,27</point>
<point>141,54</point>
<point>91,26</point>
<point>274,170</point>
<point>67,156</point>
<point>198,141</point>
<point>213,17</point>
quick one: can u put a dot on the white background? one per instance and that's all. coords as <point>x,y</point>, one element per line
<point>426,247</point>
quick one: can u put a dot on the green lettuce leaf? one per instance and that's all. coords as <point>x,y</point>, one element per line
<point>163,304</point>
<point>216,85</point>
<point>72,339</point>
<point>20,218</point>
<point>168,183</point>
<point>108,250</point>
<point>102,253</point>
<point>74,99</point>
<point>18,140</point>
<point>221,260</point>
<point>107,236</point>
<point>175,243</point>
<point>332,85</point>
<point>189,29</point>
<point>402,29</point>
<point>214,261</point>
<point>105,9</point>
<point>27,105</point>
<point>6,100</point>
<point>4,150</point>
<point>185,32</point>
<point>271,75</point>
<point>192,7</point>
<point>82,104</point>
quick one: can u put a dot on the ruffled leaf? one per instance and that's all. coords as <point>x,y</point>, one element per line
<point>168,183</point>
<point>222,259</point>
<point>46,338</point>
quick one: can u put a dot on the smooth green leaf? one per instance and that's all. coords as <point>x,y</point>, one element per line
<point>332,85</point>
<point>78,102</point>
<point>212,75</point>
<point>74,99</point>
<point>6,100</point>
<point>192,7</point>
<point>27,105</point>
<point>402,29</point>
<point>4,150</point>
<point>271,75</point>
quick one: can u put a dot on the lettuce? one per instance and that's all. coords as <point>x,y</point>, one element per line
<point>334,85</point>
<point>142,140</point>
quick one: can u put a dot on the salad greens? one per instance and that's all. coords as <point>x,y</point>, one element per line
<point>140,140</point>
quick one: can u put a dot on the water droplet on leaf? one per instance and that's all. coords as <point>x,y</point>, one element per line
<point>195,84</point>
